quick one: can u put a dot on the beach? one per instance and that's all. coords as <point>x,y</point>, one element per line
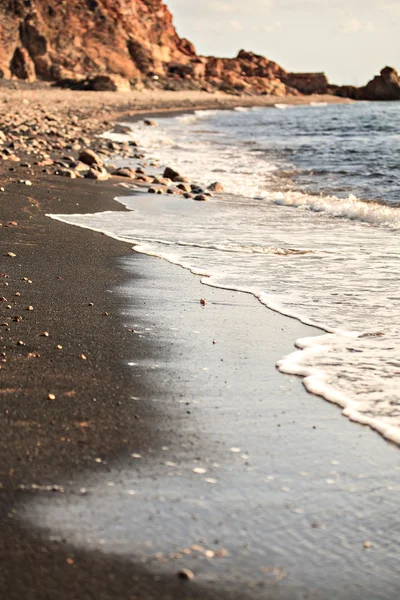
<point>172,441</point>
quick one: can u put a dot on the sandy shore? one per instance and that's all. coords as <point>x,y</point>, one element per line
<point>287,500</point>
<point>113,104</point>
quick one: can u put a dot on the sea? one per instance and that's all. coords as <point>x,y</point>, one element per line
<point>309,223</point>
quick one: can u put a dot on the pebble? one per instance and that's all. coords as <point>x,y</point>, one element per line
<point>51,396</point>
<point>199,470</point>
<point>216,187</point>
<point>186,574</point>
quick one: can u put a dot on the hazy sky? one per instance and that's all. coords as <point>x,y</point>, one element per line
<point>351,40</point>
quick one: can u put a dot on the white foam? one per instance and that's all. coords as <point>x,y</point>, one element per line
<point>349,208</point>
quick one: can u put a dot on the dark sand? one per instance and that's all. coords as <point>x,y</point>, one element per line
<point>290,513</point>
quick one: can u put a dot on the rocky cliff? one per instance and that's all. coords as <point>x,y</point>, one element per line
<point>57,40</point>
<point>54,39</point>
<point>81,42</point>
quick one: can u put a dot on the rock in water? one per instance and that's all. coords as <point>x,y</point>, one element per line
<point>216,187</point>
<point>171,174</point>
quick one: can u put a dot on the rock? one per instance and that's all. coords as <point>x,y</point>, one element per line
<point>109,83</point>
<point>170,174</point>
<point>185,187</point>
<point>216,187</point>
<point>385,86</point>
<point>66,173</point>
<point>144,178</point>
<point>125,172</point>
<point>186,574</point>
<point>80,166</point>
<point>101,175</point>
<point>201,197</point>
<point>150,123</point>
<point>90,158</point>
<point>161,180</point>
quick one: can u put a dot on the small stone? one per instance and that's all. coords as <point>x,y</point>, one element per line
<point>45,334</point>
<point>200,198</point>
<point>59,347</point>
<point>150,123</point>
<point>66,173</point>
<point>51,396</point>
<point>199,470</point>
<point>20,343</point>
<point>203,301</point>
<point>29,308</point>
<point>216,187</point>
<point>125,172</point>
<point>101,175</point>
<point>83,357</point>
<point>186,574</point>
<point>367,545</point>
<point>11,254</point>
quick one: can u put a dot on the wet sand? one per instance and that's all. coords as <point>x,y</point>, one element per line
<point>288,499</point>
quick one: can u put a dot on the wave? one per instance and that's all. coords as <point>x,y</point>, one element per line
<point>350,208</point>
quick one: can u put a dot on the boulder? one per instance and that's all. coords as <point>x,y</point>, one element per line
<point>109,83</point>
<point>100,175</point>
<point>90,158</point>
<point>171,174</point>
<point>125,172</point>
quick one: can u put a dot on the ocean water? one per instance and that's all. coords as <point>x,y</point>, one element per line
<point>309,224</point>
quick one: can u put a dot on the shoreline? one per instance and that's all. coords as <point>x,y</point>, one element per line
<point>115,425</point>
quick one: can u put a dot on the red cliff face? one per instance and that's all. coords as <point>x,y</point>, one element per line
<point>73,40</point>
<point>54,39</point>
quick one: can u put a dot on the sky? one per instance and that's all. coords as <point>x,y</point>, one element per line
<point>350,40</point>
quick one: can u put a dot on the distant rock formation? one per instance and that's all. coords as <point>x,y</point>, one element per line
<point>385,86</point>
<point>119,44</point>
